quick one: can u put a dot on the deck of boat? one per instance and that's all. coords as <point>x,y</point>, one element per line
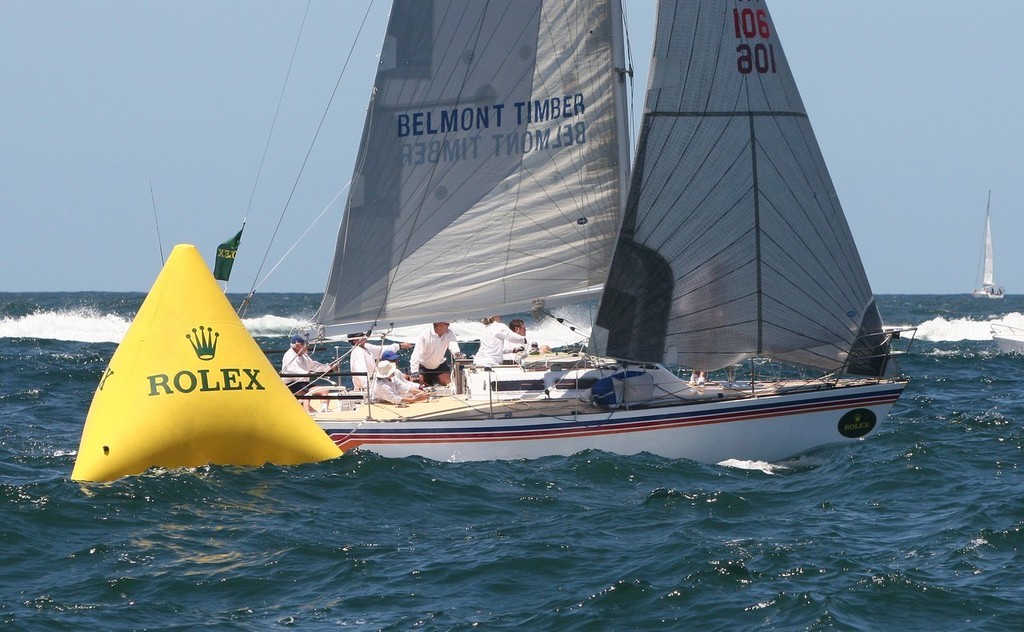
<point>454,407</point>
<point>458,407</point>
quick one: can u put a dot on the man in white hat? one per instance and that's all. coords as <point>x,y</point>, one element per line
<point>389,386</point>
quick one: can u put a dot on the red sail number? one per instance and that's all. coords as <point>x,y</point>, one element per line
<point>753,24</point>
<point>750,23</point>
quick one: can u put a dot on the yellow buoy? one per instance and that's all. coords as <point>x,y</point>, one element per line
<point>189,386</point>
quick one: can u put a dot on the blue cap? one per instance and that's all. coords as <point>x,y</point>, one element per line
<point>298,338</point>
<point>389,355</point>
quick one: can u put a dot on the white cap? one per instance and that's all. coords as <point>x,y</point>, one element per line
<point>385,369</point>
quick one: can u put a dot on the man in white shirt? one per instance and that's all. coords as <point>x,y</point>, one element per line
<point>389,386</point>
<point>298,364</point>
<point>492,342</point>
<point>429,364</point>
<point>364,358</point>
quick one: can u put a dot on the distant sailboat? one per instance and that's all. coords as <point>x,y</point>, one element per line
<point>988,287</point>
<point>494,178</point>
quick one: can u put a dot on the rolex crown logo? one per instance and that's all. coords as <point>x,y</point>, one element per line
<point>204,342</point>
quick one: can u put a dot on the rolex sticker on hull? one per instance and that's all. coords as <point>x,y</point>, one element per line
<point>857,423</point>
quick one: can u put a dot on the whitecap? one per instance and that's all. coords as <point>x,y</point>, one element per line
<point>77,325</point>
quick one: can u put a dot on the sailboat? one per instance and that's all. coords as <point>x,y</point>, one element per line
<point>494,177</point>
<point>988,287</point>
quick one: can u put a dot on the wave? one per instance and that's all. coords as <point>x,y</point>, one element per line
<point>567,326</point>
<point>90,325</point>
<point>958,329</point>
<point>78,325</point>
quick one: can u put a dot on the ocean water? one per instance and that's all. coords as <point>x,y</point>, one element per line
<point>917,528</point>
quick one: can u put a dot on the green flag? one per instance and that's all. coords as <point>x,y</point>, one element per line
<point>226,257</point>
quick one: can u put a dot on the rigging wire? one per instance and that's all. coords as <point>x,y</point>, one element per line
<point>277,111</point>
<point>270,135</point>
<point>295,244</point>
<point>159,241</point>
<point>305,160</point>
<point>576,329</point>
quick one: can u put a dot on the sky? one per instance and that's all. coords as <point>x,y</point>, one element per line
<point>128,126</point>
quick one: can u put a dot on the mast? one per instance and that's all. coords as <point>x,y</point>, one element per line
<point>624,74</point>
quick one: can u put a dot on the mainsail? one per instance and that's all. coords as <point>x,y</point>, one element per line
<point>491,166</point>
<point>989,278</point>
<point>734,244</point>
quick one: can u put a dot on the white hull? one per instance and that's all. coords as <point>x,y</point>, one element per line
<point>1010,344</point>
<point>765,428</point>
<point>1008,339</point>
<point>988,294</point>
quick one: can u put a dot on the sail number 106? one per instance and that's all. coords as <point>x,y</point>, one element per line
<point>753,24</point>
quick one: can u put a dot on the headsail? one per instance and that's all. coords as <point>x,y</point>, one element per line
<point>734,243</point>
<point>490,167</point>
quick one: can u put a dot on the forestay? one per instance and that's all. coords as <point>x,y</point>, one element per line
<point>734,243</point>
<point>491,166</point>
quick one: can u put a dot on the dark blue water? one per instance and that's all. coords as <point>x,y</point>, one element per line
<point>918,528</point>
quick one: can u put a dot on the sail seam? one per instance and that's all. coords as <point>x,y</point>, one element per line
<point>757,238</point>
<point>734,114</point>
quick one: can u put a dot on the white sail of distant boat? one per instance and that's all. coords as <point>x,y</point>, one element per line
<point>988,289</point>
<point>493,177</point>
